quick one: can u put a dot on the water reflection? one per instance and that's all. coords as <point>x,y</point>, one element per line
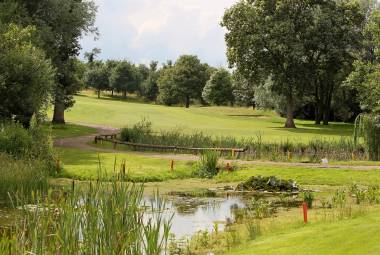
<point>191,215</point>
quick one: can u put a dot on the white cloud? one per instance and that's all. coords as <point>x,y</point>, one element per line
<point>139,30</point>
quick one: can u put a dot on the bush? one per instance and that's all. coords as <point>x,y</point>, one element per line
<point>21,176</point>
<point>271,184</point>
<point>32,144</point>
<point>140,132</point>
<point>207,166</point>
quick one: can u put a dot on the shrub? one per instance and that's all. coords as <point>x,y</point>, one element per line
<point>21,177</point>
<point>207,166</point>
<point>22,143</point>
<point>139,133</point>
<point>308,197</point>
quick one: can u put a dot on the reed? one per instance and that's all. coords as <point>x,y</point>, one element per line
<point>101,219</point>
<point>344,148</point>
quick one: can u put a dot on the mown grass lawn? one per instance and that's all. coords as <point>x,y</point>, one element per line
<point>305,175</point>
<point>90,165</point>
<point>68,130</point>
<point>238,121</point>
<point>355,236</point>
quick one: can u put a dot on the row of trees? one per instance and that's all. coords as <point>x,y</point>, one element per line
<point>39,45</point>
<point>181,82</point>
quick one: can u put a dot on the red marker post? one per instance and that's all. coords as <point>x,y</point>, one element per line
<point>304,205</point>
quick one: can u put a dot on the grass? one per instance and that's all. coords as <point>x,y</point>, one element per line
<point>84,165</point>
<point>239,122</point>
<point>306,176</point>
<point>351,236</point>
<point>68,130</point>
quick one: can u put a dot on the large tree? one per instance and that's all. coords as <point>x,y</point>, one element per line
<point>98,77</point>
<point>60,25</point>
<point>266,38</point>
<point>186,79</point>
<point>125,78</point>
<point>331,42</point>
<point>366,76</point>
<point>26,76</point>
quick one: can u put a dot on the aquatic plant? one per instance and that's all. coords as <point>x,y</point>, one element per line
<point>101,219</point>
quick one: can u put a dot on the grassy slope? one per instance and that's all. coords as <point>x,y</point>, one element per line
<point>213,120</point>
<point>353,236</point>
<point>84,165</point>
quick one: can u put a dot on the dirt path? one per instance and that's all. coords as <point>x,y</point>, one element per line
<point>83,143</point>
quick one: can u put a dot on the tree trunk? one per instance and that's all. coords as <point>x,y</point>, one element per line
<point>59,113</point>
<point>318,114</point>
<point>112,92</point>
<point>24,120</point>
<point>98,94</point>
<point>289,113</point>
<point>187,101</point>
<point>125,94</point>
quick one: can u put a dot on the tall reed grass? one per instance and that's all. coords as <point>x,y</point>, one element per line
<point>21,177</point>
<point>101,219</point>
<point>367,126</point>
<point>344,148</point>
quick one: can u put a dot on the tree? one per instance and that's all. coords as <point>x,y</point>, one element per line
<point>149,88</point>
<point>168,92</point>
<point>26,76</point>
<point>366,75</point>
<point>125,78</point>
<point>60,25</point>
<point>218,89</point>
<point>90,56</point>
<point>266,38</point>
<point>243,90</point>
<point>183,81</point>
<point>98,78</point>
<point>330,44</point>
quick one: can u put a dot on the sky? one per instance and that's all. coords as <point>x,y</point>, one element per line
<point>145,30</point>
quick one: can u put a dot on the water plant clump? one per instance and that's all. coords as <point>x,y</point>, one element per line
<point>271,184</point>
<point>101,219</point>
<point>207,165</point>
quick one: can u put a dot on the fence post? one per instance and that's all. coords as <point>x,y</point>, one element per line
<point>304,206</point>
<point>172,165</point>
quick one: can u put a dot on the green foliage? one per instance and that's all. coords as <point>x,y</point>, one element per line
<point>366,74</point>
<point>141,131</point>
<point>309,198</point>
<point>271,184</point>
<point>32,144</point>
<point>149,87</point>
<point>368,127</point>
<point>303,47</point>
<point>183,81</point>
<point>26,76</point>
<point>101,219</point>
<point>218,89</point>
<point>207,166</point>
<point>98,78</point>
<point>21,177</point>
<point>125,78</point>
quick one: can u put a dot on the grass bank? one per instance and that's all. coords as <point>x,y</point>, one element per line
<point>351,236</point>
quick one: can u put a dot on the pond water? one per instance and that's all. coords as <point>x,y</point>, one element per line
<point>191,215</point>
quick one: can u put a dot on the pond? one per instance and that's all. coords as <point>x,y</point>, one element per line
<point>191,215</point>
